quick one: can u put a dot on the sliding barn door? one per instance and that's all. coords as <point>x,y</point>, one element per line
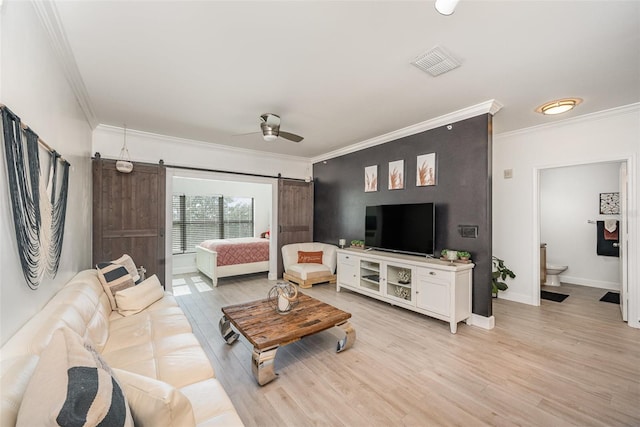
<point>129,215</point>
<point>295,214</point>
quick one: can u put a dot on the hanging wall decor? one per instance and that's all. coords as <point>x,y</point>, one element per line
<point>371,178</point>
<point>426,167</point>
<point>396,175</point>
<point>609,203</point>
<point>38,201</point>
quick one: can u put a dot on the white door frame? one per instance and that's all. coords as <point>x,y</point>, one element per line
<point>633,312</point>
<point>219,176</point>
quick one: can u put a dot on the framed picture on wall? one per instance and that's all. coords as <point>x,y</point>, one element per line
<point>609,203</point>
<point>371,178</point>
<point>426,170</point>
<point>396,175</point>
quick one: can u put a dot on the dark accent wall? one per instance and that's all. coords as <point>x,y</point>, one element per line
<point>462,194</point>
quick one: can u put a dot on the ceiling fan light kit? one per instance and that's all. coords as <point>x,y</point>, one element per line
<point>446,7</point>
<point>270,125</point>
<point>558,106</point>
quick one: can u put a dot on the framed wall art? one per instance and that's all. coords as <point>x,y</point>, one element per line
<point>396,175</point>
<point>371,178</point>
<point>426,170</point>
<point>609,203</point>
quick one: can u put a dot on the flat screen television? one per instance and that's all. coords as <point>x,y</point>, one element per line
<point>405,228</point>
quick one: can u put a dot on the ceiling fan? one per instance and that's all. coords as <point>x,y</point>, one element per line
<point>270,125</point>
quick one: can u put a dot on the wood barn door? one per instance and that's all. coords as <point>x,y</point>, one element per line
<point>129,215</point>
<point>295,214</point>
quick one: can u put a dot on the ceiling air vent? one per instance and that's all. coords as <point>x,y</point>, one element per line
<point>437,61</point>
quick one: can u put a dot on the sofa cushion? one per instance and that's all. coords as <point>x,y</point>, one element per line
<point>114,278</point>
<point>177,359</point>
<point>310,257</point>
<point>308,271</point>
<point>72,385</point>
<point>135,299</point>
<point>155,403</point>
<point>211,405</point>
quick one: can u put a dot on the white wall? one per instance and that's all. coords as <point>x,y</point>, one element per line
<point>612,135</point>
<point>34,87</point>
<point>260,192</point>
<point>569,198</point>
<point>150,148</point>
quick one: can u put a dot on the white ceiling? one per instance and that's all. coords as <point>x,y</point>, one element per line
<point>339,72</point>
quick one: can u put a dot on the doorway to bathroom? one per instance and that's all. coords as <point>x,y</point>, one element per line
<point>575,202</point>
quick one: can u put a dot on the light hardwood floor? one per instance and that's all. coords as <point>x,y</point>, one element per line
<point>569,363</point>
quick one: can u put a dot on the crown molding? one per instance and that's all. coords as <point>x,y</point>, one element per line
<point>492,107</point>
<point>50,19</point>
<point>194,143</point>
<point>624,109</point>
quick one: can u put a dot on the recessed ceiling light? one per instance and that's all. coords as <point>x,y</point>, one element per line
<point>559,106</point>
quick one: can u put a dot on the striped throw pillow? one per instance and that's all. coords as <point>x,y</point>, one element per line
<point>73,386</point>
<point>114,278</point>
<point>127,262</point>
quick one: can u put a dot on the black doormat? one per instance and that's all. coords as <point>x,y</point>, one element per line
<point>612,297</point>
<point>552,296</point>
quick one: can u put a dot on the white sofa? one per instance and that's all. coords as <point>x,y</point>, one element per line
<point>151,351</point>
<point>308,274</point>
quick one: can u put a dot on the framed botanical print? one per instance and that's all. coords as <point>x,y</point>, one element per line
<point>396,175</point>
<point>609,203</point>
<point>371,178</point>
<point>426,170</point>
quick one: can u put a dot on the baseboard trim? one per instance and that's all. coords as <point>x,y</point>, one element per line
<point>185,270</point>
<point>589,282</point>
<point>482,321</point>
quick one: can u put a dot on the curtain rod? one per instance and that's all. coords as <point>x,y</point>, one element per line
<point>191,168</point>
<point>44,145</point>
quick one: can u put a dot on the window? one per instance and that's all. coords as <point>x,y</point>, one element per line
<point>198,218</point>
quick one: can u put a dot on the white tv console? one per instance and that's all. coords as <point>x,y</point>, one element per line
<point>439,289</point>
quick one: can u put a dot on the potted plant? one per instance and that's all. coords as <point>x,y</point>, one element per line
<point>499,275</point>
<point>357,243</point>
<point>464,255</point>
<point>443,253</point>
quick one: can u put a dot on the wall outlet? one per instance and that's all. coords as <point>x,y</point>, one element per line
<point>508,173</point>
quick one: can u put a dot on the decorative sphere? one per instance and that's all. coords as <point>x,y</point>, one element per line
<point>283,297</point>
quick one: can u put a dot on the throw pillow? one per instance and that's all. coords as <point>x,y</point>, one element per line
<point>114,278</point>
<point>72,386</point>
<point>127,262</point>
<point>135,299</point>
<point>154,402</point>
<point>309,257</point>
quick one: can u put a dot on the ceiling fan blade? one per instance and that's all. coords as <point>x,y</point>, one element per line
<point>248,133</point>
<point>291,136</point>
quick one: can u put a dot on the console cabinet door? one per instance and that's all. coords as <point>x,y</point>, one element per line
<point>348,270</point>
<point>433,291</point>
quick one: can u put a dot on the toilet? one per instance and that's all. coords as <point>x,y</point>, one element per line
<point>553,274</point>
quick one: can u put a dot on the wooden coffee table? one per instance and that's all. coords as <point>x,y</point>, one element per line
<point>267,330</point>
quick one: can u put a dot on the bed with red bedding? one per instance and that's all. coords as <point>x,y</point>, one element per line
<point>232,257</point>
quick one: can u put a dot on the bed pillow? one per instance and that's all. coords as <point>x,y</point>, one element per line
<point>135,299</point>
<point>72,385</point>
<point>127,262</point>
<point>154,402</point>
<point>114,278</point>
<point>309,257</point>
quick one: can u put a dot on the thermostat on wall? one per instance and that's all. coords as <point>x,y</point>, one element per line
<point>469,231</point>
